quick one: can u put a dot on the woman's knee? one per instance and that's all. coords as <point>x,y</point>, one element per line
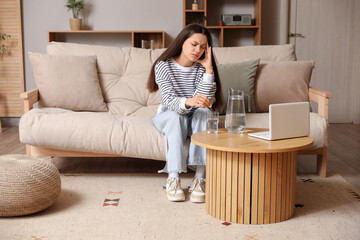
<point>171,120</point>
<point>175,118</point>
<point>201,113</point>
<point>198,122</point>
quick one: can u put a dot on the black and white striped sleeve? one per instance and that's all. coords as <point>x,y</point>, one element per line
<point>167,92</point>
<point>206,86</point>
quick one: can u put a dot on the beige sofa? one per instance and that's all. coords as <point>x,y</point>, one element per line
<point>127,129</point>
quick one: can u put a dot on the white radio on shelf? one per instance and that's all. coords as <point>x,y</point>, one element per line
<point>236,19</point>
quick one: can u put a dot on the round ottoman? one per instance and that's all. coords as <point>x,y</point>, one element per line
<point>27,185</point>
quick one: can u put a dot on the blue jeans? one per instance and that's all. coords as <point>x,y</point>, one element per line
<point>176,128</point>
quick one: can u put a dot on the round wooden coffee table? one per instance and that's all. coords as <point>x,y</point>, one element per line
<point>250,180</point>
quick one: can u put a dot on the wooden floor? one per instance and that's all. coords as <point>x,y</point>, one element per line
<point>343,156</point>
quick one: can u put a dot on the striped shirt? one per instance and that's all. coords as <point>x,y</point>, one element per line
<point>177,83</point>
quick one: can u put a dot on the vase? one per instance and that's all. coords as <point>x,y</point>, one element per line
<point>75,24</point>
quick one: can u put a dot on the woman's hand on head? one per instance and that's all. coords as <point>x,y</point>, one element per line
<point>206,62</point>
<point>199,100</point>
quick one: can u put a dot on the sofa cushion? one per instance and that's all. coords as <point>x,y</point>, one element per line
<point>123,74</point>
<point>132,136</point>
<point>238,76</point>
<point>264,52</point>
<point>69,82</point>
<point>99,132</point>
<point>282,82</point>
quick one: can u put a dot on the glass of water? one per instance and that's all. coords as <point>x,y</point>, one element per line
<point>213,122</point>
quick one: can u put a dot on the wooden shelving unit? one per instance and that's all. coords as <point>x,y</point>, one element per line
<point>202,16</point>
<point>136,36</point>
<point>12,61</point>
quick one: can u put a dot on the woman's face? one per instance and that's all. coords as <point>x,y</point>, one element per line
<point>194,46</point>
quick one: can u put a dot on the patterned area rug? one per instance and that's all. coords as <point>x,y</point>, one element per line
<point>134,206</point>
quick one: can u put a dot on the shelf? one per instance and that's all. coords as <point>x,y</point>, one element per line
<point>190,11</point>
<point>195,17</point>
<point>136,36</point>
<point>157,37</point>
<point>212,10</point>
<point>88,31</point>
<point>12,81</point>
<point>231,27</point>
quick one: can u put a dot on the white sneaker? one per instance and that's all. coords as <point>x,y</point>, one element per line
<point>197,190</point>
<point>174,191</point>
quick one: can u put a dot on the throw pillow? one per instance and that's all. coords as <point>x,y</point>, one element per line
<point>239,76</point>
<point>69,82</point>
<point>282,82</point>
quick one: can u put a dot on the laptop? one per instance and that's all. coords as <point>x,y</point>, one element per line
<point>287,120</point>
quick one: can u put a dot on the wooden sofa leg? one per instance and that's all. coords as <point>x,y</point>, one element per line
<point>28,150</point>
<point>321,163</point>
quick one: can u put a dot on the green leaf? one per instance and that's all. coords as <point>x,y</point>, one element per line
<point>75,6</point>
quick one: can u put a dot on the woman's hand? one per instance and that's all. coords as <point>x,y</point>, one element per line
<point>206,62</point>
<point>198,101</point>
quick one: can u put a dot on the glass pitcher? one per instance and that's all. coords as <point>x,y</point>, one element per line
<point>235,120</point>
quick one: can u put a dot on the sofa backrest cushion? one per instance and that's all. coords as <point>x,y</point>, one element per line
<point>123,74</point>
<point>282,82</point>
<point>239,76</point>
<point>69,82</point>
<point>264,52</point>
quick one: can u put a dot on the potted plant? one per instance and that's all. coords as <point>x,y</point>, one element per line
<point>199,20</point>
<point>3,47</point>
<point>75,6</point>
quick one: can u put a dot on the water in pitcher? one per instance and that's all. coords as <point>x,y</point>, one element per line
<point>235,119</point>
<point>236,122</point>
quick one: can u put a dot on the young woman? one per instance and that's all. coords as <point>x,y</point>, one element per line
<point>189,84</point>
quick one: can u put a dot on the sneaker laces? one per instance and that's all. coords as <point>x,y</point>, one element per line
<point>173,184</point>
<point>197,184</point>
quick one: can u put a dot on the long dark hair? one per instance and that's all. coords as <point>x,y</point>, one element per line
<point>175,49</point>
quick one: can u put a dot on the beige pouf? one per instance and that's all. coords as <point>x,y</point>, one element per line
<point>27,185</point>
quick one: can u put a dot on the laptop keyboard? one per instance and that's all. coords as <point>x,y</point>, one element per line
<point>263,134</point>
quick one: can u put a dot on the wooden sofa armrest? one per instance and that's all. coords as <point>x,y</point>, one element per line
<point>321,97</point>
<point>30,98</point>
